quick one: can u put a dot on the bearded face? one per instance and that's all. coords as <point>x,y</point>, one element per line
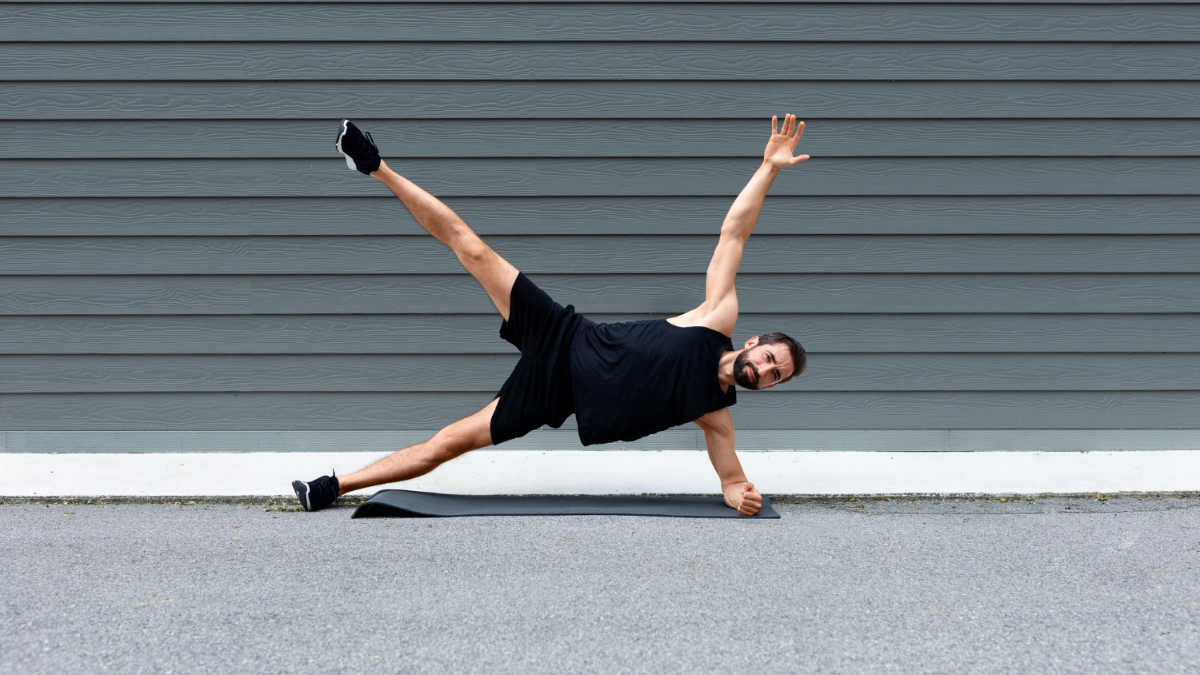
<point>745,374</point>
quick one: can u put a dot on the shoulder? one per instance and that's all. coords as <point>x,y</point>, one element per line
<point>722,318</point>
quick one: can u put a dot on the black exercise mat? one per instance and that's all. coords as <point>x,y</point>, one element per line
<point>410,504</point>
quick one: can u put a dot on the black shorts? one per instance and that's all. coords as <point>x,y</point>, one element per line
<point>539,389</point>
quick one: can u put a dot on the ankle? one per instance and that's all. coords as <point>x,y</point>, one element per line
<point>378,174</point>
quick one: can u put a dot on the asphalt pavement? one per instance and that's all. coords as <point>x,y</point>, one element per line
<point>926,586</point>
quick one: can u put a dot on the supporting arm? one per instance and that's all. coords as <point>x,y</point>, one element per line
<point>719,438</point>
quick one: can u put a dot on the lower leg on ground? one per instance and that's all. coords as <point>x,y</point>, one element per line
<point>469,433</point>
<point>405,464</point>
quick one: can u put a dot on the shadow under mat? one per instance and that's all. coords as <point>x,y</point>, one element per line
<point>410,504</point>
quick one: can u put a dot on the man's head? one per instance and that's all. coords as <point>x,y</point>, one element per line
<point>768,360</point>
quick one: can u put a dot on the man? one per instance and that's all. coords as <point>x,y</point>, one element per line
<point>622,381</point>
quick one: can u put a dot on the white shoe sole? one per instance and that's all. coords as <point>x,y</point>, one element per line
<point>349,161</point>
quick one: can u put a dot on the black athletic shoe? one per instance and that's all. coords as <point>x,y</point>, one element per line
<point>316,494</point>
<point>359,148</point>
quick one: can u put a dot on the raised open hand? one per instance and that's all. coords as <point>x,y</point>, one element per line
<point>783,144</point>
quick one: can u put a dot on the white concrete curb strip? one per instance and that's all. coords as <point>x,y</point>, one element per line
<point>628,472</point>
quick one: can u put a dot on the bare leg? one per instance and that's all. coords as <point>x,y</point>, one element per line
<point>469,433</point>
<point>492,272</point>
<point>496,276</point>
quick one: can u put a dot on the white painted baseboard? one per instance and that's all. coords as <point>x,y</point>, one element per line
<point>610,472</point>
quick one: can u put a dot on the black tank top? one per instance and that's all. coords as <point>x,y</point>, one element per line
<point>638,378</point>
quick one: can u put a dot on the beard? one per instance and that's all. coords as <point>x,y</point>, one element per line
<point>739,371</point>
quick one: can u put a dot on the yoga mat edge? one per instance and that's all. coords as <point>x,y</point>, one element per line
<point>413,504</point>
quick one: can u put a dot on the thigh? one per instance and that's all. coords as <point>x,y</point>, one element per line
<point>469,433</point>
<point>537,393</point>
<point>495,274</point>
<point>536,324</point>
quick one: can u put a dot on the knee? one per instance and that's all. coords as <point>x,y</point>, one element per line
<point>447,444</point>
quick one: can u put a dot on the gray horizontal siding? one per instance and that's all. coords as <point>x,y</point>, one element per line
<point>1114,99</point>
<point>431,410</point>
<point>45,62</point>
<point>608,22</point>
<point>885,372</point>
<point>603,177</point>
<point>477,333</point>
<point>996,231</point>
<point>599,292</point>
<point>310,139</point>
<point>663,254</point>
<point>624,216</point>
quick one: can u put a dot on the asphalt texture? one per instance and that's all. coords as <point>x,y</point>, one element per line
<point>1042,586</point>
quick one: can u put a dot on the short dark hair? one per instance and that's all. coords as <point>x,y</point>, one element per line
<point>798,356</point>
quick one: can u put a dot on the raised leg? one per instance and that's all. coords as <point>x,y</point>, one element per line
<point>469,433</point>
<point>492,272</point>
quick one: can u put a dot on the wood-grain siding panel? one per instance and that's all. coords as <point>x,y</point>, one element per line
<point>601,22</point>
<point>181,249</point>
<point>614,216</point>
<point>764,253</point>
<point>633,293</point>
<point>605,177</point>
<point>769,410</point>
<point>262,334</point>
<point>855,372</point>
<point>256,373</point>
<point>746,61</point>
<point>255,139</point>
<point>590,100</point>
<point>435,334</point>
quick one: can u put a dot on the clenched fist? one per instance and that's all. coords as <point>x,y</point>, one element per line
<point>743,497</point>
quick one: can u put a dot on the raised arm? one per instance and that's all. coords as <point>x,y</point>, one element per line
<point>719,438</point>
<point>720,309</point>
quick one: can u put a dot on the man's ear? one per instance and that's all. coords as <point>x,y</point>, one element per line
<point>751,342</point>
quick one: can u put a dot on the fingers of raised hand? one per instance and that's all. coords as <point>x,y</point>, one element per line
<point>797,160</point>
<point>786,130</point>
<point>791,128</point>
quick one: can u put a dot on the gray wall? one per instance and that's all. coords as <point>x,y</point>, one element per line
<point>998,229</point>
